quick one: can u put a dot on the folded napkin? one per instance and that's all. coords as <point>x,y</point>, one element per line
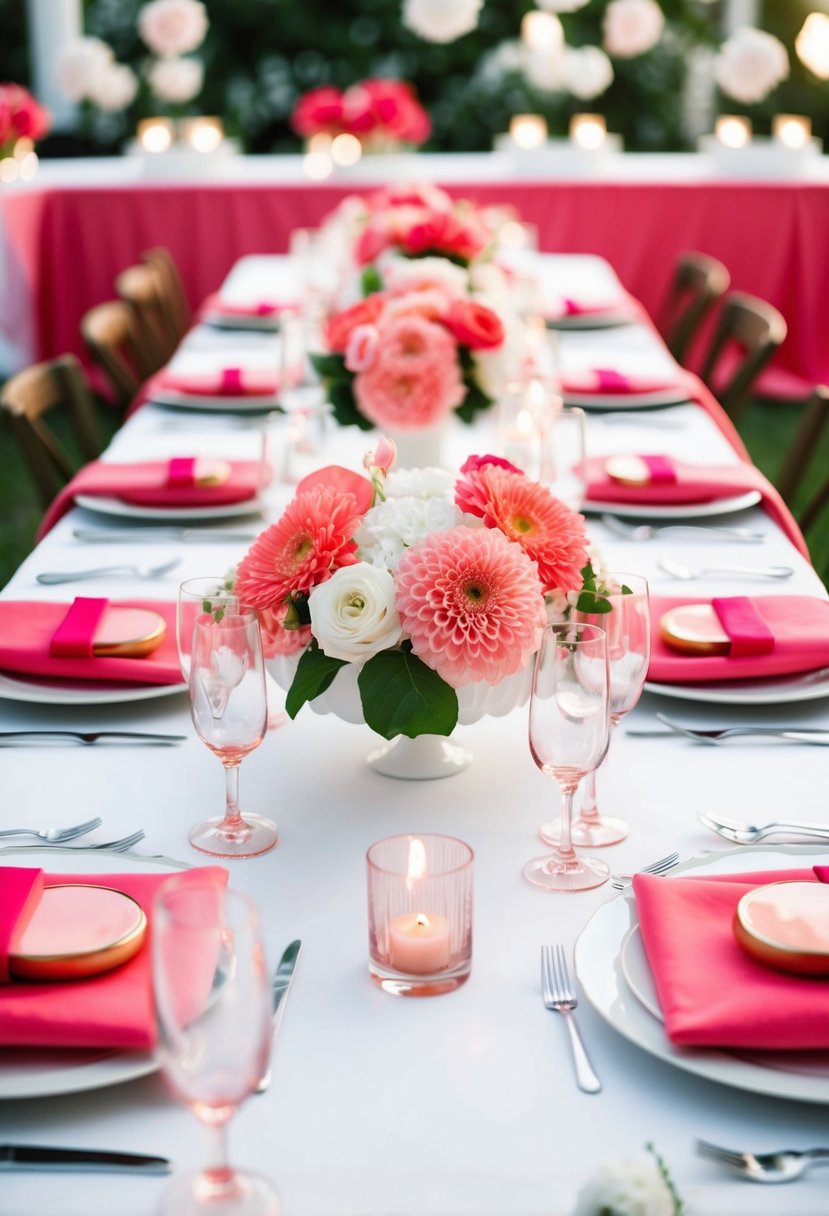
<point>249,308</point>
<point>27,629</point>
<point>711,992</point>
<point>20,891</point>
<point>799,628</point>
<point>606,381</point>
<point>155,483</point>
<point>112,1010</point>
<point>226,382</point>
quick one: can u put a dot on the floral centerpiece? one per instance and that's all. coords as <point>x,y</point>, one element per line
<point>385,115</point>
<point>23,121</point>
<point>416,587</point>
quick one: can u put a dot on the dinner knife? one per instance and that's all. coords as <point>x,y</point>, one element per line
<point>41,1157</point>
<point>280,984</point>
<point>205,535</point>
<point>76,736</point>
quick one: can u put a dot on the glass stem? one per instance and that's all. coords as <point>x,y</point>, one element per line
<point>589,801</point>
<point>217,1172</point>
<point>565,848</point>
<point>233,816</point>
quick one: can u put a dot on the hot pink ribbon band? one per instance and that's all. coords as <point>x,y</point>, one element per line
<point>821,873</point>
<point>571,308</point>
<point>181,472</point>
<point>232,380</point>
<point>661,470</point>
<point>265,309</point>
<point>74,636</point>
<point>611,381</point>
<point>20,892</point>
<point>748,632</point>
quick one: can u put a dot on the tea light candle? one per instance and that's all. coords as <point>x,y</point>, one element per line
<point>155,134</point>
<point>588,130</point>
<point>733,130</point>
<point>542,31</point>
<point>528,131</point>
<point>418,944</point>
<point>792,130</point>
<point>346,149</point>
<point>201,134</point>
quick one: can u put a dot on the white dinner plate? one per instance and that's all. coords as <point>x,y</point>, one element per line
<point>698,510</point>
<point>627,401</point>
<point>227,405</point>
<point>131,510</point>
<point>29,1073</point>
<point>227,320</point>
<point>604,953</point>
<point>41,691</point>
<point>607,319</point>
<point>776,690</point>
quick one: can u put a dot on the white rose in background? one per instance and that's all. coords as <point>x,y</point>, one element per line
<point>626,1188</point>
<point>812,45</point>
<point>173,27</point>
<point>561,6</point>
<point>495,369</point>
<point>632,27</point>
<point>353,613</point>
<point>750,64</point>
<point>587,71</point>
<point>546,70</point>
<point>398,523</point>
<point>441,20</point>
<point>79,63</point>
<point>408,274</point>
<point>176,81</point>
<point>114,87</point>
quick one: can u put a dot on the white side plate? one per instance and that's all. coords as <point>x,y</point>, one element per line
<point>80,692</point>
<point>701,510</point>
<point>130,510</point>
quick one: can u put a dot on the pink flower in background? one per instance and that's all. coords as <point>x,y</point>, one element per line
<point>431,304</point>
<point>415,379</point>
<point>21,116</point>
<point>338,328</point>
<point>344,481</point>
<point>477,462</point>
<point>173,27</point>
<point>318,110</point>
<point>361,348</point>
<point>528,514</point>
<point>409,194</point>
<point>471,603</point>
<point>276,639</point>
<point>474,325</point>
<point>379,112</point>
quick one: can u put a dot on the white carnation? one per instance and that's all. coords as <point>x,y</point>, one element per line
<point>420,483</point>
<point>114,87</point>
<point>173,27</point>
<point>632,27</point>
<point>401,274</point>
<point>79,63</point>
<point>353,613</point>
<point>441,20</point>
<point>396,524</point>
<point>750,64</point>
<point>587,72</point>
<point>176,80</point>
<point>625,1188</point>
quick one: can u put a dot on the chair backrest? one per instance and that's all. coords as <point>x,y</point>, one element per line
<point>815,420</point>
<point>139,288</point>
<point>28,397</point>
<point>170,288</point>
<point>109,331</point>
<point>698,282</point>
<point>747,333</point>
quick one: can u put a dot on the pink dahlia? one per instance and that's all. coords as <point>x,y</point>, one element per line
<point>471,603</point>
<point>311,540</point>
<point>527,513</point>
<point>415,379</point>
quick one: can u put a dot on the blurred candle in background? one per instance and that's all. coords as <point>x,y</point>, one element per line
<point>155,134</point>
<point>733,130</point>
<point>528,130</point>
<point>202,134</point>
<point>792,130</point>
<point>588,130</point>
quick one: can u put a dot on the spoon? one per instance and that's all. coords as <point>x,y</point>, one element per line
<point>782,1166</point>
<point>648,531</point>
<point>52,577</point>
<point>751,833</point>
<point>678,570</point>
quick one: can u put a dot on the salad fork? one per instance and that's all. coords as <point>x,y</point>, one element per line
<point>620,882</point>
<point>806,734</point>
<point>559,994</point>
<point>782,1166</point>
<point>751,833</point>
<point>51,578</point>
<point>55,835</point>
<point>649,531</point>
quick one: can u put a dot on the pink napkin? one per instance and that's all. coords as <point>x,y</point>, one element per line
<point>253,308</point>
<point>570,307</point>
<point>20,890</point>
<point>229,382</point>
<point>608,381</point>
<point>799,625</point>
<point>153,483</point>
<point>113,1010</point>
<point>28,627</point>
<point>710,991</point>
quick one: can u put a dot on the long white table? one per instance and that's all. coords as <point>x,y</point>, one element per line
<point>465,1104</point>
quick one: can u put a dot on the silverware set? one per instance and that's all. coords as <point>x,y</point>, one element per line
<point>210,536</point>
<point>784,1165</point>
<point>789,734</point>
<point>640,532</point>
<point>752,833</point>
<point>685,573</point>
<point>59,837</point>
<point>52,578</point>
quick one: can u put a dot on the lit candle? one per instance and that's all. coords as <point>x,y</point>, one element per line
<point>733,130</point>
<point>155,134</point>
<point>528,130</point>
<point>588,130</point>
<point>541,31</point>
<point>346,149</point>
<point>812,44</point>
<point>418,944</point>
<point>202,134</point>
<point>792,130</point>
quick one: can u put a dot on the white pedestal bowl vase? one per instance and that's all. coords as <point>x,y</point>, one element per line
<point>426,757</point>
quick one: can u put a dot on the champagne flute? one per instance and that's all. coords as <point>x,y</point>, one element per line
<point>212,997</point>
<point>210,593</point>
<point>229,707</point>
<point>569,726</point>
<point>628,651</point>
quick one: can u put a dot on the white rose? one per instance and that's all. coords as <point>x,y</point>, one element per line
<point>561,6</point>
<point>353,613</point>
<point>401,274</point>
<point>587,72</point>
<point>441,20</point>
<point>394,525</point>
<point>176,80</point>
<point>750,64</point>
<point>545,69</point>
<point>114,87</point>
<point>173,27</point>
<point>625,1188</point>
<point>79,63</point>
<point>632,27</point>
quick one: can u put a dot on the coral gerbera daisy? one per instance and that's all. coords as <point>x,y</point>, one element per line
<point>471,603</point>
<point>548,531</point>
<point>313,538</point>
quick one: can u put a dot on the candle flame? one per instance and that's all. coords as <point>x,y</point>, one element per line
<point>422,921</point>
<point>417,862</point>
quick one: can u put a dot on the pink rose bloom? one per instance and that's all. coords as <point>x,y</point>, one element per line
<point>173,27</point>
<point>431,304</point>
<point>415,380</point>
<point>474,325</point>
<point>383,457</point>
<point>415,194</point>
<point>339,328</point>
<point>472,463</point>
<point>21,115</point>
<point>318,110</point>
<point>361,348</point>
<point>447,232</point>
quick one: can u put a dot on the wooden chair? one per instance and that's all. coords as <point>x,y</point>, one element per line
<point>28,397</point>
<point>747,333</point>
<point>698,282</point>
<point>139,288</point>
<point>815,420</point>
<point>109,331</point>
<point>170,289</point>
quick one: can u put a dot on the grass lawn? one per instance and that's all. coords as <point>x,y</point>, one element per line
<point>767,430</point>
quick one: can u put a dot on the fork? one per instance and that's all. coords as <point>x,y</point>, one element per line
<point>649,531</point>
<point>105,846</point>
<point>807,734</point>
<point>55,835</point>
<point>751,833</point>
<point>52,577</point>
<point>679,570</point>
<point>559,994</point>
<point>621,882</point>
<point>782,1166</point>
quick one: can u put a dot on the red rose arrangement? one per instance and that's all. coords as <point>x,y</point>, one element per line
<point>21,117</point>
<point>382,114</point>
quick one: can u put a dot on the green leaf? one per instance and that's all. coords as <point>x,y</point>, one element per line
<point>591,603</point>
<point>344,406</point>
<point>402,696</point>
<point>371,281</point>
<point>313,675</point>
<point>330,367</point>
<point>473,403</point>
